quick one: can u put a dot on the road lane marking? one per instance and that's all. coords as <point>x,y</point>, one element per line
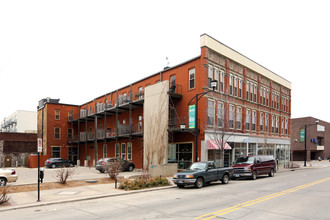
<point>258,200</point>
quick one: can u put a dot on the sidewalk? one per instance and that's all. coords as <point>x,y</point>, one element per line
<point>70,194</point>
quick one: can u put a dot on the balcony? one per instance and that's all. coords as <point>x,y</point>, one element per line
<point>175,91</point>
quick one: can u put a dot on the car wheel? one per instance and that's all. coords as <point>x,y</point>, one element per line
<point>225,179</point>
<point>180,185</point>
<point>53,165</point>
<point>254,175</point>
<point>71,165</point>
<point>199,182</point>
<point>130,168</point>
<point>3,182</point>
<point>101,170</point>
<point>271,173</point>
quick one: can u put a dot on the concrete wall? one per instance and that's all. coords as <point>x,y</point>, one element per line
<point>163,169</point>
<point>156,124</point>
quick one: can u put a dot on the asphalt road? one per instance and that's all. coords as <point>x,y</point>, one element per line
<point>300,194</point>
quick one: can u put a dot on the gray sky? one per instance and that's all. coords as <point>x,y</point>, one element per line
<point>79,50</point>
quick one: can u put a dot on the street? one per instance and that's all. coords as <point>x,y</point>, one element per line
<point>300,194</point>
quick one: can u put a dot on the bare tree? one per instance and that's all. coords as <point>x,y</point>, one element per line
<point>63,174</point>
<point>113,168</point>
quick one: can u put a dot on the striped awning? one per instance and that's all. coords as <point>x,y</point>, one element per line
<point>216,144</point>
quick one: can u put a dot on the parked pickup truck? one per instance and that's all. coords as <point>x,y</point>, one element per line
<point>201,173</point>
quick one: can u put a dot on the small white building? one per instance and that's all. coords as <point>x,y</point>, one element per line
<point>20,121</point>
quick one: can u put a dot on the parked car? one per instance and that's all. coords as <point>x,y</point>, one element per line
<point>253,166</point>
<point>7,175</point>
<point>58,162</point>
<point>200,173</point>
<point>101,164</point>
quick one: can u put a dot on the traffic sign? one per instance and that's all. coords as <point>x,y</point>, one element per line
<point>39,145</point>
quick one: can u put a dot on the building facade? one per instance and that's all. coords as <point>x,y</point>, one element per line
<point>152,121</point>
<point>20,121</point>
<point>317,139</point>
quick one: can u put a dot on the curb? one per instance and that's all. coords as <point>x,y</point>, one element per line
<point>83,198</point>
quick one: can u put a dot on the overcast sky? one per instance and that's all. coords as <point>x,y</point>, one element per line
<point>80,50</point>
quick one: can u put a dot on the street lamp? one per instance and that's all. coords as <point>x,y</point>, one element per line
<point>198,96</point>
<point>305,129</point>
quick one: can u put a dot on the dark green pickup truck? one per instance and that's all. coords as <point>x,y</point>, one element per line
<point>201,173</point>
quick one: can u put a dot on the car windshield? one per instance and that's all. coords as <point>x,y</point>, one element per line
<point>197,166</point>
<point>245,160</point>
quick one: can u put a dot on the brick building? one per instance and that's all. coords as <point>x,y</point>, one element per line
<point>152,121</point>
<point>317,139</point>
<point>15,147</point>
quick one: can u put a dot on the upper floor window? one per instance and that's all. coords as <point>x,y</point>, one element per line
<point>210,113</point>
<point>286,126</point>
<point>240,86</point>
<point>70,131</point>
<point>254,120</point>
<point>231,116</point>
<point>255,93</point>
<point>210,76</point>
<point>57,133</point>
<point>248,119</point>
<point>216,77</point>
<point>277,123</point>
<point>222,80</point>
<point>57,114</point>
<point>70,116</point>
<point>235,86</point>
<point>172,83</point>
<point>220,114</point>
<point>230,84</point>
<point>239,118</point>
<point>191,78</point>
<point>140,94</point>
<point>251,92</point>
<point>273,123</point>
<point>247,90</point>
<point>260,95</point>
<point>266,122</point>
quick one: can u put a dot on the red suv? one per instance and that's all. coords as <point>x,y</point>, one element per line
<point>253,166</point>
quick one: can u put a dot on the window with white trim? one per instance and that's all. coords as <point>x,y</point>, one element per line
<point>273,123</point>
<point>277,123</point>
<point>240,87</point>
<point>254,120</point>
<point>247,90</point>
<point>248,119</point>
<point>286,125</point>
<point>57,114</point>
<point>129,151</point>
<point>117,150</point>
<point>251,92</point>
<point>261,121</point>
<point>266,122</point>
<point>123,151</point>
<point>255,93</point>
<point>220,114</point>
<point>239,118</point>
<point>235,86</point>
<point>231,84</point>
<point>210,76</point>
<point>57,133</point>
<point>231,116</point>
<point>192,78</point>
<point>216,77</point>
<point>222,80</point>
<point>210,113</point>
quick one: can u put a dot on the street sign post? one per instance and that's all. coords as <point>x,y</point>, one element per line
<point>39,151</point>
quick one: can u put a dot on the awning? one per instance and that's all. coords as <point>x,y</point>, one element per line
<point>216,144</point>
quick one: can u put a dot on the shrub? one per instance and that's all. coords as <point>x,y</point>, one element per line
<point>63,174</point>
<point>4,197</point>
<point>113,169</point>
<point>142,183</point>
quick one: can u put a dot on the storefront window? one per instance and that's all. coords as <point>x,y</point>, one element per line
<point>181,154</point>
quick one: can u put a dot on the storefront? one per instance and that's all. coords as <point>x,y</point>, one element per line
<point>180,153</point>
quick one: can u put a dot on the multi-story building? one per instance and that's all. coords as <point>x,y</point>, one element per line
<point>153,120</point>
<point>20,121</point>
<point>317,139</point>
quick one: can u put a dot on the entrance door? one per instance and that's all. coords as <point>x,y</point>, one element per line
<point>8,161</point>
<point>227,158</point>
<point>73,154</point>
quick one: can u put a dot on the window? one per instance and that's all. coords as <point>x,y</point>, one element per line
<point>70,133</point>
<point>282,125</point>
<point>235,86</point>
<point>70,116</point>
<point>239,118</point>
<point>267,98</point>
<point>210,113</point>
<point>140,124</point>
<point>254,119</point>
<point>222,80</point>
<point>273,124</point>
<point>123,151</point>
<point>140,94</point>
<point>57,114</point>
<point>57,133</point>
<point>251,92</point>
<point>247,90</point>
<point>117,153</point>
<point>286,126</point>
<point>220,114</point>
<point>210,76</point>
<point>231,116</point>
<point>272,100</point>
<point>255,93</point>
<point>261,93</point>
<point>248,117</point>
<point>172,84</point>
<point>56,152</point>
<point>266,123</point>
<point>104,150</point>
<point>277,123</point>
<point>240,86</point>
<point>216,77</point>
<point>230,84</point>
<point>129,151</point>
<point>191,78</point>
<point>261,121</point>
<point>264,98</point>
